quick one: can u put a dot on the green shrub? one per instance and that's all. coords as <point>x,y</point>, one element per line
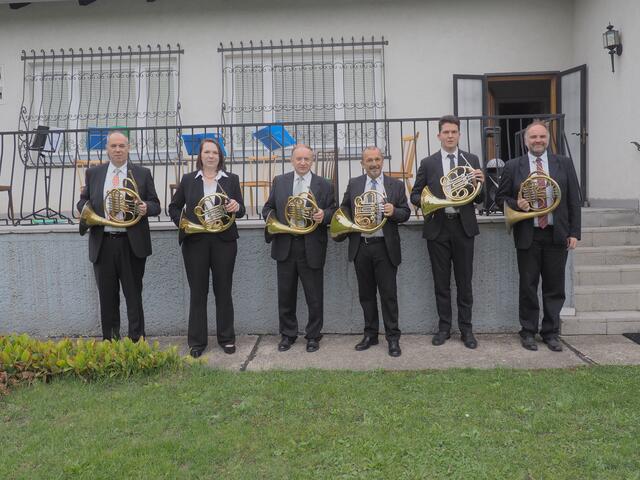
<point>24,359</point>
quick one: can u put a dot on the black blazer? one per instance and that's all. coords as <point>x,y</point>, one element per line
<point>566,218</point>
<point>190,192</point>
<point>315,242</point>
<point>395,195</point>
<point>429,174</point>
<point>138,234</point>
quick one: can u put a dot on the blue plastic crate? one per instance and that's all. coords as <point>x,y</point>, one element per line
<point>192,141</point>
<point>274,137</point>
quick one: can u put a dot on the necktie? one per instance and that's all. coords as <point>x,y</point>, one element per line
<point>298,188</point>
<point>543,220</point>
<point>379,208</point>
<point>452,161</point>
<point>116,179</point>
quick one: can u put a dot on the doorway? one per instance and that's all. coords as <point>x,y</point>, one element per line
<point>518,95</point>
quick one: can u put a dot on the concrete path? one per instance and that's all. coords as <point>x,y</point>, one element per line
<point>255,353</point>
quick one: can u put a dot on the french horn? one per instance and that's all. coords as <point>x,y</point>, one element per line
<point>459,189</point>
<point>534,190</point>
<point>298,213</point>
<point>368,215</point>
<point>121,206</point>
<point>212,215</point>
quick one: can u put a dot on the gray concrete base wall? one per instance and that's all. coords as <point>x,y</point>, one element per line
<point>47,285</point>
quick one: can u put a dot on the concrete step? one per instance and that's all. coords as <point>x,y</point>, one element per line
<point>606,322</point>
<point>610,236</point>
<point>603,298</point>
<point>607,274</point>
<point>609,217</point>
<point>616,255</point>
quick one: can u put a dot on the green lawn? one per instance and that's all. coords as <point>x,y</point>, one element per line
<point>199,423</point>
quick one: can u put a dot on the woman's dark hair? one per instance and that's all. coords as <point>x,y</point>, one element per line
<point>220,154</point>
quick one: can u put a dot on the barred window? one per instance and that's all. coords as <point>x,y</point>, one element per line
<point>310,82</point>
<point>123,88</point>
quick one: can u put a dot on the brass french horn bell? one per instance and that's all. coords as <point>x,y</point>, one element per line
<point>458,186</point>
<point>368,215</point>
<point>120,206</point>
<point>298,213</point>
<point>212,215</point>
<point>534,190</point>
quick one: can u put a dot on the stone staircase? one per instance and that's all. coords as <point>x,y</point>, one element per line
<point>606,274</point>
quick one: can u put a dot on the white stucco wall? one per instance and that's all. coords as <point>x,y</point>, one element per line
<point>429,41</point>
<point>613,98</point>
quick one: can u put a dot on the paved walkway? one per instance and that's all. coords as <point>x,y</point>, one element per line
<point>259,352</point>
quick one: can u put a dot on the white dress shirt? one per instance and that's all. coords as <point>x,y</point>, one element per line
<point>211,188</point>
<point>378,188</point>
<point>533,167</point>
<point>108,185</point>
<point>306,181</point>
<point>446,166</point>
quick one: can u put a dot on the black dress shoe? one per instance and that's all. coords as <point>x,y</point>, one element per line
<point>196,352</point>
<point>366,342</point>
<point>439,338</point>
<point>553,343</point>
<point>529,343</point>
<point>469,340</point>
<point>394,348</point>
<point>230,348</point>
<point>313,345</point>
<point>285,343</point>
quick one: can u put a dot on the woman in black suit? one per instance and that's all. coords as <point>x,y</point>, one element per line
<point>204,252</point>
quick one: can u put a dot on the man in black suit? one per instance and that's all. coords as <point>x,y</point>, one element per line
<point>542,242</point>
<point>119,254</point>
<point>450,232</point>
<point>376,256</point>
<point>300,256</point>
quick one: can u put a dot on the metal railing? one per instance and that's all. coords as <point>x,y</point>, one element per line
<point>40,178</point>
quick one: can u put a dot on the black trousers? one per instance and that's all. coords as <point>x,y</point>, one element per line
<point>117,265</point>
<point>204,253</point>
<point>547,260</point>
<point>289,270</point>
<point>375,272</point>
<point>452,246</point>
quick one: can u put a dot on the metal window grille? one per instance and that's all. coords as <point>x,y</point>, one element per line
<point>303,82</point>
<point>122,87</point>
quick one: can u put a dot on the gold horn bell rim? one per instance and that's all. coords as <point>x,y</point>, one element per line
<point>511,216</point>
<point>275,227</point>
<point>341,224</point>
<point>89,218</point>
<point>429,203</point>
<point>200,210</point>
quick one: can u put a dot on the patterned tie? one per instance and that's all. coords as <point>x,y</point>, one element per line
<point>116,179</point>
<point>379,210</point>
<point>543,220</point>
<point>452,161</point>
<point>299,186</point>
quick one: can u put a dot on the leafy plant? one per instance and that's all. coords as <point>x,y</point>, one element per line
<point>25,359</point>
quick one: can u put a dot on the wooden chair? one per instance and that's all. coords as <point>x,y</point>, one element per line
<point>325,166</point>
<point>408,159</point>
<point>7,188</point>
<point>81,166</point>
<point>264,176</point>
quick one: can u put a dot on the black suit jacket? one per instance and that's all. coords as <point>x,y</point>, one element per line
<point>429,174</point>
<point>566,217</point>
<point>315,242</point>
<point>395,195</point>
<point>190,192</point>
<point>138,234</point>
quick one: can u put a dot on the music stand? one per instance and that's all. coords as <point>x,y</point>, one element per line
<point>45,142</point>
<point>274,137</point>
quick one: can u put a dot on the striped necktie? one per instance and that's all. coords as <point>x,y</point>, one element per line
<point>543,220</point>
